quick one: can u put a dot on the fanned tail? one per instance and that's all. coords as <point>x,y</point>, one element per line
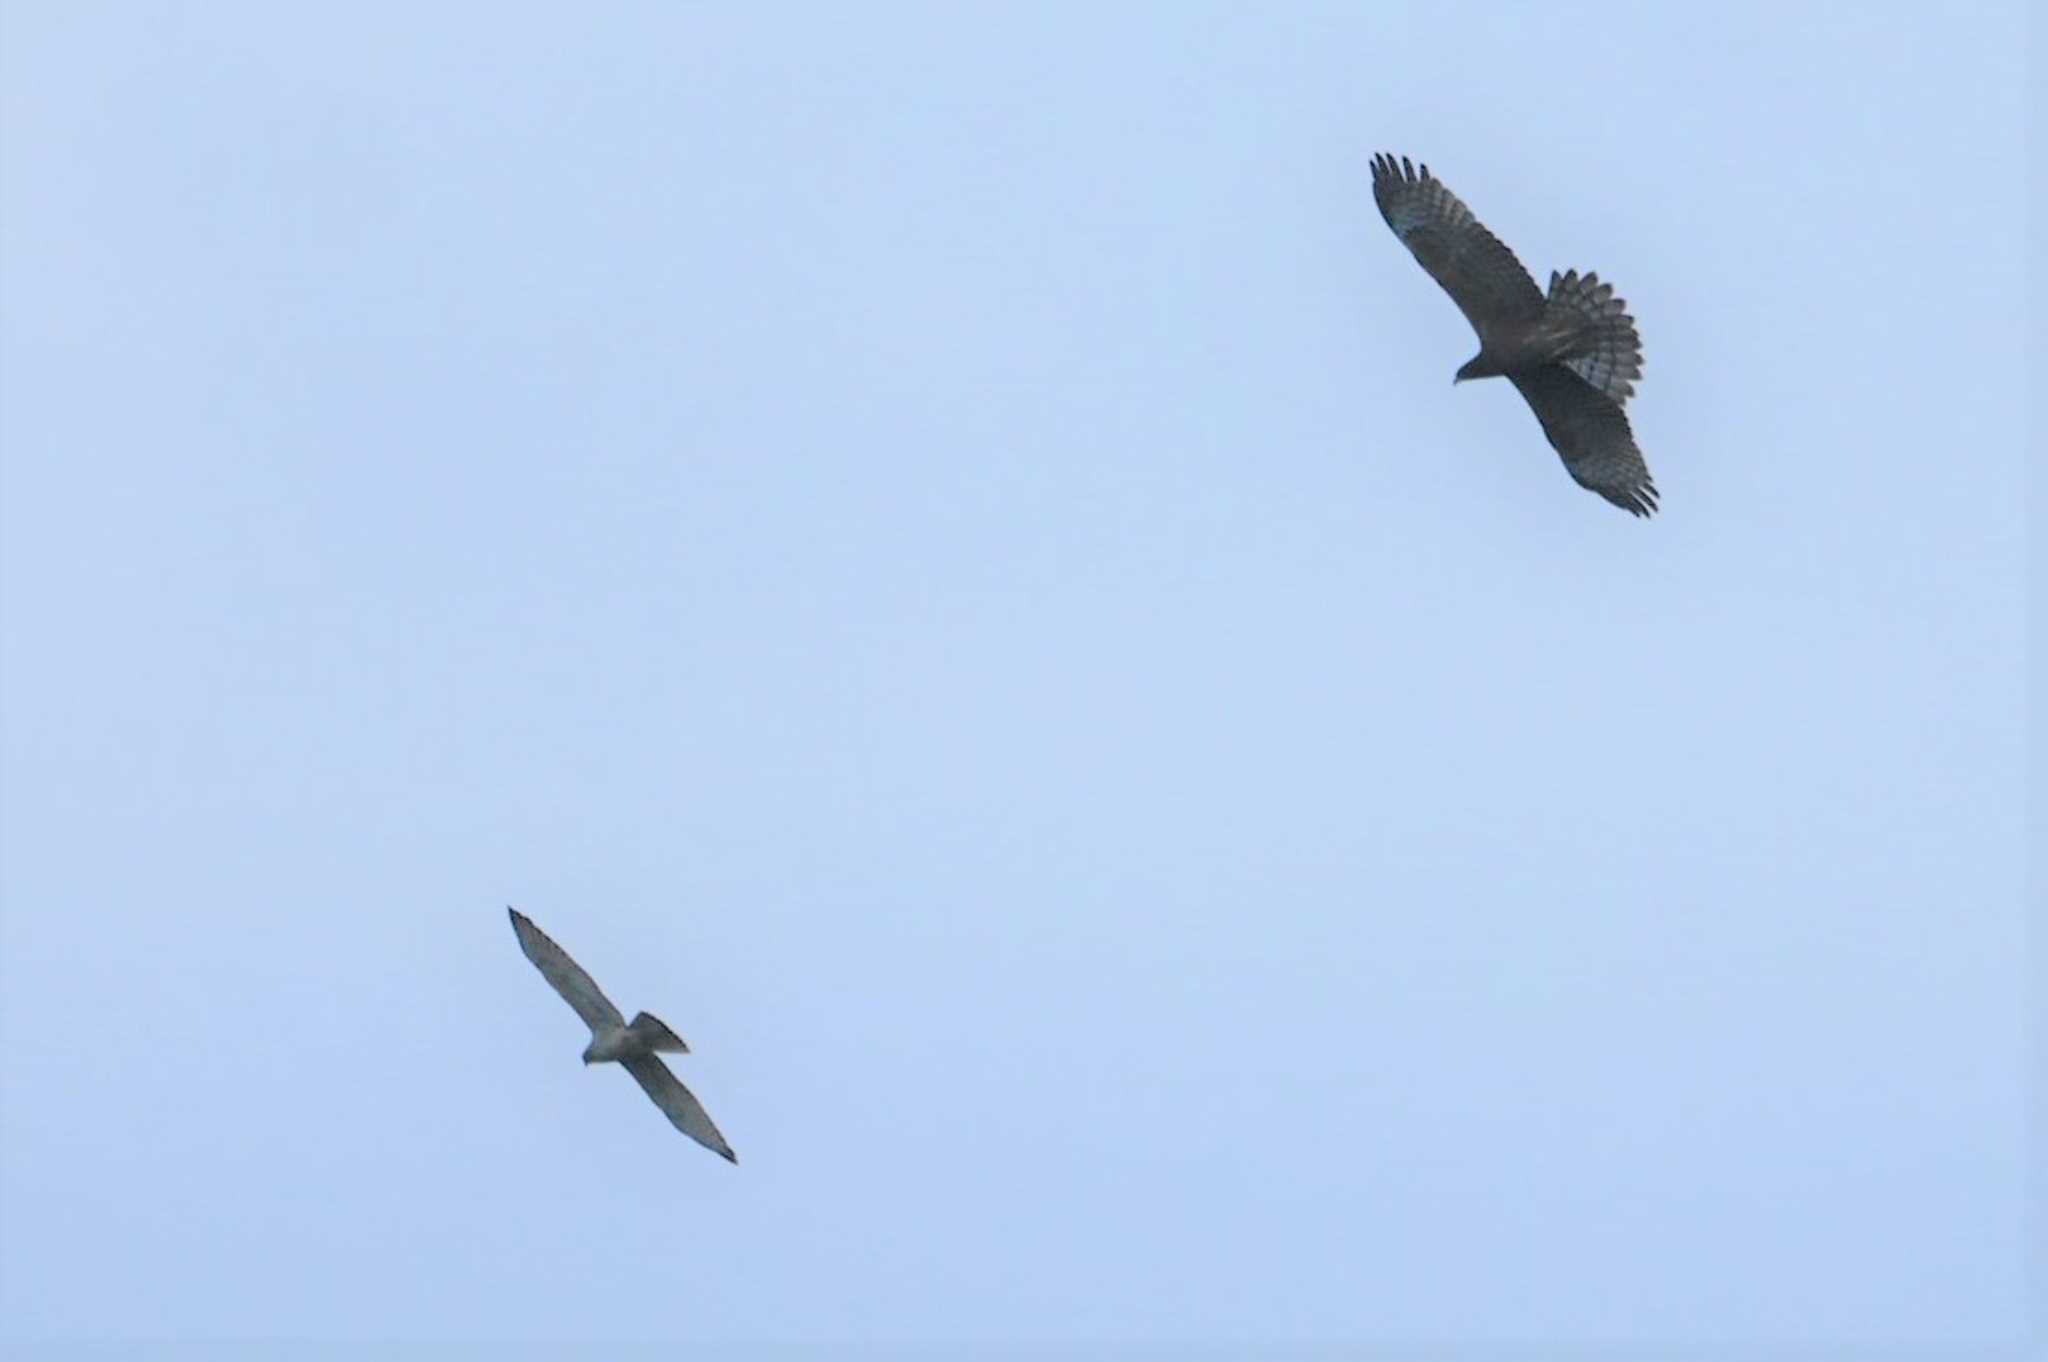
<point>654,1033</point>
<point>1609,354</point>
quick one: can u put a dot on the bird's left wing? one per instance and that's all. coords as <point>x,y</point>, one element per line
<point>678,1103</point>
<point>1590,431</point>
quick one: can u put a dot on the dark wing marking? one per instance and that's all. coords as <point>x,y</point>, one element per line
<point>1482,276</point>
<point>682,1108</point>
<point>577,988</point>
<point>1589,429</point>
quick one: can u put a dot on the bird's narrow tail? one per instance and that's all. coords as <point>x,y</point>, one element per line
<point>654,1032</point>
<point>1608,354</point>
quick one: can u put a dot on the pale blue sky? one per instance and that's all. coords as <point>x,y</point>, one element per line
<point>935,548</point>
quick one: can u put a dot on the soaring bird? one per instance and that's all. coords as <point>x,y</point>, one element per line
<point>637,1044</point>
<point>1574,355</point>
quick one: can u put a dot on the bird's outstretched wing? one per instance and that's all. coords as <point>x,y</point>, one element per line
<point>1590,431</point>
<point>678,1103</point>
<point>1482,276</point>
<point>578,989</point>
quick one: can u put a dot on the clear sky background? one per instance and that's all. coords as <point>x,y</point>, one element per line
<point>935,548</point>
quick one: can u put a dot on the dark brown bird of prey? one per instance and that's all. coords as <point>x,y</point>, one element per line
<point>1574,355</point>
<point>637,1045</point>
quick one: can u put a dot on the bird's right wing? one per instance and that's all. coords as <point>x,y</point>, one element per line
<point>681,1107</point>
<point>577,988</point>
<point>1482,276</point>
<point>1589,430</point>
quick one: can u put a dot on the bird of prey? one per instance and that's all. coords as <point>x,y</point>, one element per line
<point>636,1044</point>
<point>1574,355</point>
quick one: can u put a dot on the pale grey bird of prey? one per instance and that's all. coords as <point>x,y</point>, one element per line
<point>636,1044</point>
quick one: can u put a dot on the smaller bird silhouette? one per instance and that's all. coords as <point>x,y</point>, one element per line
<point>635,1045</point>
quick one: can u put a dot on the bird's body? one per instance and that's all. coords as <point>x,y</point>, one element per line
<point>1572,353</point>
<point>635,1046</point>
<point>646,1034</point>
